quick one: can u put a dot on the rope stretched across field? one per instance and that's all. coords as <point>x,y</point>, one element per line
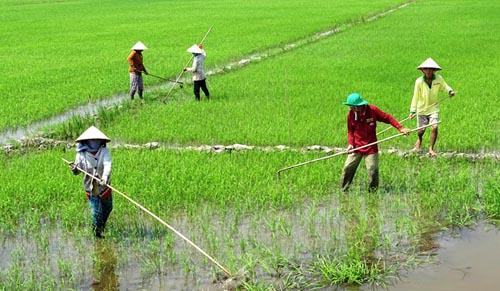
<point>155,217</point>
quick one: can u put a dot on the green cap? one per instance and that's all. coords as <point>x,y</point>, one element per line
<point>354,99</point>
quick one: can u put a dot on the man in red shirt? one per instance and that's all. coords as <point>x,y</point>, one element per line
<point>361,130</point>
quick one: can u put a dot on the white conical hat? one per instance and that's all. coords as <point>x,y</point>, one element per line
<point>195,49</point>
<point>92,133</point>
<point>430,64</point>
<point>139,46</point>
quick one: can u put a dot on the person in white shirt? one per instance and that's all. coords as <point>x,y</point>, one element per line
<point>198,70</point>
<point>93,157</point>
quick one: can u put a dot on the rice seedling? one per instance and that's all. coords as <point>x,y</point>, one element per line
<point>245,217</point>
<point>296,98</point>
<point>300,232</point>
<point>61,61</point>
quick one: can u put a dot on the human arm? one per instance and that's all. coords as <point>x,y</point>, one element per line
<point>74,166</point>
<point>194,67</point>
<point>414,99</point>
<point>106,163</point>
<point>350,133</point>
<point>385,117</point>
<point>446,88</point>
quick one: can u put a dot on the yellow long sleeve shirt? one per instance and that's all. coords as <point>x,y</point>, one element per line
<point>424,101</point>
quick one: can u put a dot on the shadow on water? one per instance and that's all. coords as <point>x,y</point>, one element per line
<point>104,266</point>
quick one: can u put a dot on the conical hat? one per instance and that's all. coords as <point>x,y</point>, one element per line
<point>429,64</point>
<point>139,46</point>
<point>195,49</point>
<point>92,133</point>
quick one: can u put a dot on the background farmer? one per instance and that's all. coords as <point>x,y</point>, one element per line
<point>361,130</point>
<point>94,158</point>
<point>424,103</point>
<point>198,70</point>
<point>136,68</point>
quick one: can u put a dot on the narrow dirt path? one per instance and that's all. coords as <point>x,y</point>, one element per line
<point>44,144</point>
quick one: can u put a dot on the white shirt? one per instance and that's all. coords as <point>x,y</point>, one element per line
<point>99,165</point>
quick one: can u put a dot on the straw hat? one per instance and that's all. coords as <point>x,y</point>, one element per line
<point>139,46</point>
<point>355,99</point>
<point>195,49</point>
<point>93,133</point>
<point>429,64</point>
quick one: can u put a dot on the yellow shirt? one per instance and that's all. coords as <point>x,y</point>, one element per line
<point>425,99</point>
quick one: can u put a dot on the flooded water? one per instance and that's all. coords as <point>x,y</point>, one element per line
<point>266,245</point>
<point>468,261</point>
<point>83,110</point>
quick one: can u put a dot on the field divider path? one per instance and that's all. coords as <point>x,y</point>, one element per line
<point>41,143</point>
<point>92,108</point>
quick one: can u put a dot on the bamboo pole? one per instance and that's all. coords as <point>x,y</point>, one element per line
<point>351,150</point>
<point>187,64</point>
<point>403,120</point>
<point>155,217</point>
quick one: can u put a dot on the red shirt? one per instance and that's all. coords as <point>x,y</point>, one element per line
<point>361,127</point>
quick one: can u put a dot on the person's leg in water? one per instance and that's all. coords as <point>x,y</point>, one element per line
<point>371,162</point>
<point>350,167</point>
<point>101,208</point>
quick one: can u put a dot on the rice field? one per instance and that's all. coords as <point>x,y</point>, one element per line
<point>298,231</point>
<point>285,101</point>
<point>66,53</point>
<point>300,225</point>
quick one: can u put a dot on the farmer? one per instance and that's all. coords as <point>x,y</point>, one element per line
<point>424,103</point>
<point>136,69</point>
<point>361,130</point>
<point>93,157</point>
<point>198,70</point>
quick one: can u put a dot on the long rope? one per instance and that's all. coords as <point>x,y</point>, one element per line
<point>351,150</point>
<point>403,120</point>
<point>155,217</point>
<point>187,64</point>
<point>165,79</point>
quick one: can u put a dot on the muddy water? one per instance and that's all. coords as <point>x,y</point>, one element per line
<point>132,263</point>
<point>468,261</point>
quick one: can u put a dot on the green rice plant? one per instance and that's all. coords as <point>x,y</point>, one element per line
<point>241,214</point>
<point>350,269</point>
<point>296,98</point>
<point>61,61</point>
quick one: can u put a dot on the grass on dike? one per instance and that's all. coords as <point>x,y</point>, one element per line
<point>61,54</point>
<point>296,98</point>
<point>299,229</point>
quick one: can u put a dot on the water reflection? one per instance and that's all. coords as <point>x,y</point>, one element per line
<point>104,266</point>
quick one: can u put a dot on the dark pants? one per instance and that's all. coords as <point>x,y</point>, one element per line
<point>101,207</point>
<point>203,85</point>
